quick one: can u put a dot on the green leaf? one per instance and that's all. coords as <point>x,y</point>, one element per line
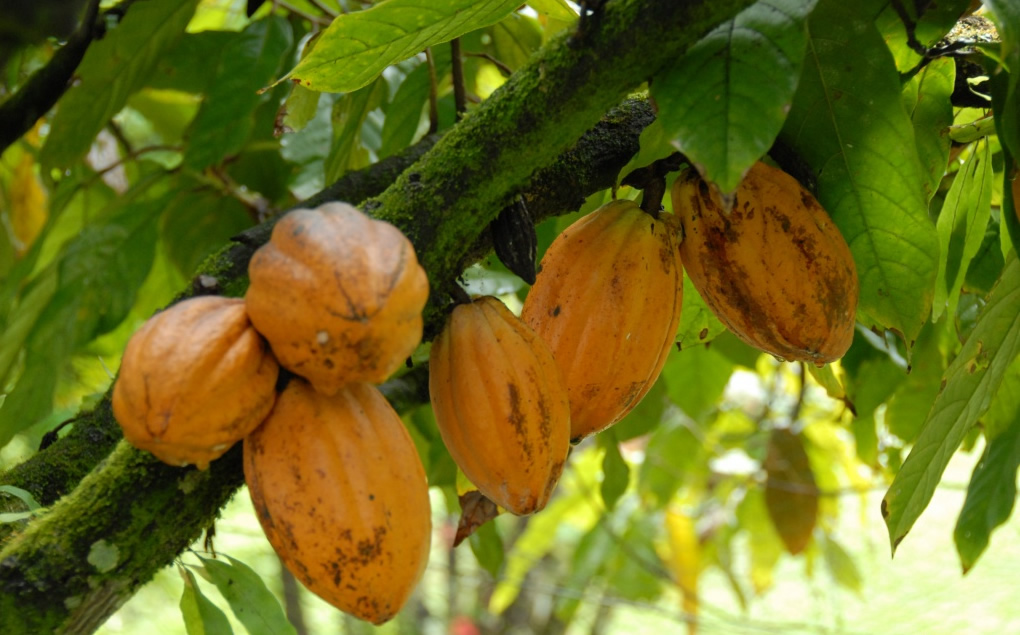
<point>991,495</point>
<point>968,386</point>
<point>961,226</point>
<point>1007,114</point>
<point>556,9</point>
<point>487,545</point>
<point>791,496</point>
<point>908,407</point>
<point>724,102</point>
<point>841,565</point>
<point>615,471</point>
<point>22,495</point>
<point>590,556</point>
<point>226,117</point>
<point>113,67</point>
<point>299,108</point>
<point>513,39</point>
<point>926,98</point>
<point>201,616</point>
<point>637,573</point>
<point>848,122</point>
<point>1005,406</point>
<point>404,113</point>
<point>357,46</point>
<point>695,379</point>
<point>37,297</point>
<point>764,543</point>
<point>987,264</point>
<point>349,113</point>
<point>249,599</point>
<point>197,222</point>
<point>645,417</point>
<point>670,453</point>
<point>185,67</point>
<point>698,324</point>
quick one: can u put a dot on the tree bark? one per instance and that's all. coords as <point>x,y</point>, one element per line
<point>76,564</point>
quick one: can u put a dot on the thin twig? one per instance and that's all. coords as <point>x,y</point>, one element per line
<point>325,9</point>
<point>433,92</point>
<point>459,100</point>
<point>503,68</point>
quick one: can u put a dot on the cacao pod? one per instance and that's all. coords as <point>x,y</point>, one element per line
<point>338,295</point>
<point>775,269</point>
<point>194,380</point>
<point>607,300</point>
<point>342,496</point>
<point>500,404</point>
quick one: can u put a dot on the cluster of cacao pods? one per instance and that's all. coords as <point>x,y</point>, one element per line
<point>335,298</point>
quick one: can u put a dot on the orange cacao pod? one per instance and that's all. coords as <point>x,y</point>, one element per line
<point>341,495</point>
<point>338,295</point>
<point>195,379</point>
<point>500,404</point>
<point>607,301</point>
<point>775,270</point>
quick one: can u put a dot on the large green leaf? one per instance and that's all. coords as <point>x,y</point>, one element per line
<point>724,102</point>
<point>968,386</point>
<point>226,117</point>
<point>1005,406</point>
<point>98,276</point>
<point>848,122</point>
<point>404,113</point>
<point>357,46</point>
<point>1007,118</point>
<point>990,495</point>
<point>113,68</point>
<point>196,223</point>
<point>926,98</point>
<point>185,67</point>
<point>349,113</point>
<point>695,378</point>
<point>201,616</point>
<point>670,453</point>
<point>246,593</point>
<point>961,226</point>
<point>615,471</point>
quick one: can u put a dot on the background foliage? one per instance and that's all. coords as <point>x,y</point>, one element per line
<point>188,122</point>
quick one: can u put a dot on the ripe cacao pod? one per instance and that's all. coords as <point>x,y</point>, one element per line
<point>342,496</point>
<point>500,404</point>
<point>338,295</point>
<point>194,380</point>
<point>607,300</point>
<point>775,269</point>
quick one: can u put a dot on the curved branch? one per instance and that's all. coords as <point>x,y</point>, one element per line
<point>444,203</point>
<point>34,99</point>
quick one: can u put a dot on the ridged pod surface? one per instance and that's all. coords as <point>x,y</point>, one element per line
<point>607,300</point>
<point>500,404</point>
<point>195,379</point>
<point>342,496</point>
<point>338,295</point>
<point>775,270</point>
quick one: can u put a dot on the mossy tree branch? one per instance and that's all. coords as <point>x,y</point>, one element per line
<point>145,513</point>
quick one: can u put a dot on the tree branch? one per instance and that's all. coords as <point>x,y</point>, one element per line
<point>444,203</point>
<point>34,99</point>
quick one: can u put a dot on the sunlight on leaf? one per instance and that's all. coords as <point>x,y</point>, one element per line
<point>724,103</point>
<point>848,122</point>
<point>246,593</point>
<point>201,616</point>
<point>968,386</point>
<point>357,46</point>
<point>991,495</point>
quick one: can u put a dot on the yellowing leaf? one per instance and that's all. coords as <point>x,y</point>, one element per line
<point>29,200</point>
<point>684,558</point>
<point>791,495</point>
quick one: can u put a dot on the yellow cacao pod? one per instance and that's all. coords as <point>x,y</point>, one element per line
<point>607,300</point>
<point>775,269</point>
<point>500,404</point>
<point>338,295</point>
<point>195,379</point>
<point>341,495</point>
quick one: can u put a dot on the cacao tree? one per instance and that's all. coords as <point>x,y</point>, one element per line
<point>149,148</point>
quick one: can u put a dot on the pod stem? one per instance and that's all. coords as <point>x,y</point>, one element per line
<point>459,295</point>
<point>652,179</point>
